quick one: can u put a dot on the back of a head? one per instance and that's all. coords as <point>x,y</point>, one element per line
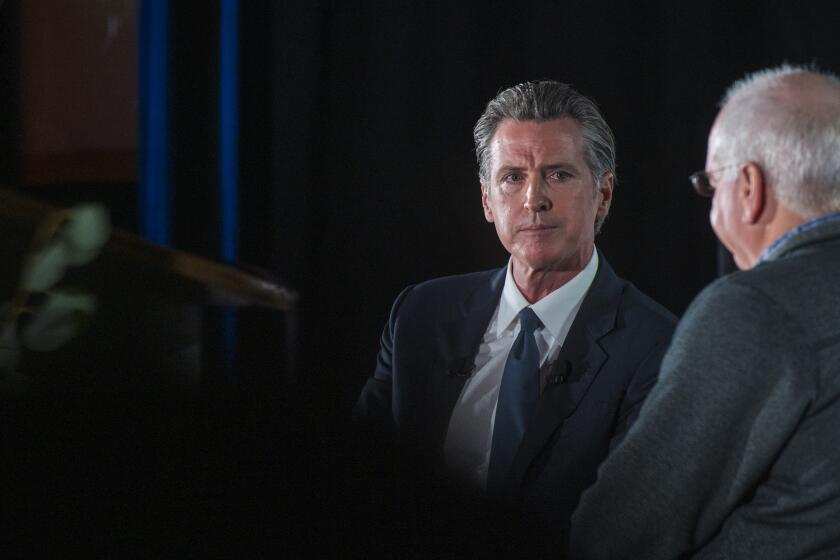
<point>787,120</point>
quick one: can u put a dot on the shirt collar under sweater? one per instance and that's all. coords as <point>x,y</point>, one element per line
<point>802,234</point>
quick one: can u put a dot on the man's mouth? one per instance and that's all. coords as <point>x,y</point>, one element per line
<point>536,228</point>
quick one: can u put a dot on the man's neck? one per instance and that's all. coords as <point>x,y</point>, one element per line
<point>784,220</point>
<point>536,284</point>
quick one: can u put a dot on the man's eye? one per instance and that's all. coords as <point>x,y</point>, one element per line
<point>512,182</point>
<point>560,175</point>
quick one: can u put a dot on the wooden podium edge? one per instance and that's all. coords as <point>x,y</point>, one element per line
<point>224,282</point>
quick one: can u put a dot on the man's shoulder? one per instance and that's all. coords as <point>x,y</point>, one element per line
<point>438,296</point>
<point>635,308</point>
<point>739,301</point>
<point>797,290</point>
<point>640,305</point>
<point>777,282</point>
<point>455,287</point>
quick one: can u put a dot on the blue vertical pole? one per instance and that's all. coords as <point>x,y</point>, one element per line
<point>229,128</point>
<point>153,191</point>
<point>229,154</point>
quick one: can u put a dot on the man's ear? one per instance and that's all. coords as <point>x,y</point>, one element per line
<point>752,193</point>
<point>605,189</point>
<point>485,202</point>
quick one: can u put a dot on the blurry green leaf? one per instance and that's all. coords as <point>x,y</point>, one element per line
<point>86,231</point>
<point>44,268</point>
<point>62,316</point>
<point>78,242</point>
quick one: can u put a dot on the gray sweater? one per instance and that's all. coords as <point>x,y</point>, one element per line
<point>736,452</point>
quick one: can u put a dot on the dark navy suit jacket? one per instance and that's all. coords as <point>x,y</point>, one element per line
<point>609,361</point>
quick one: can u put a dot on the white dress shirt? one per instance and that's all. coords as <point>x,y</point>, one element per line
<point>470,433</point>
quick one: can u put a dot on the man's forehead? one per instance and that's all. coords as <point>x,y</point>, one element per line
<point>564,123</point>
<point>714,142</point>
<point>527,138</point>
<point>717,138</point>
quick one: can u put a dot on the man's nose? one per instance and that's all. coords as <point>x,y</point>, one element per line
<point>536,199</point>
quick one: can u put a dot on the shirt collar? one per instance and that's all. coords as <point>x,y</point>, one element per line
<point>554,308</point>
<point>776,248</point>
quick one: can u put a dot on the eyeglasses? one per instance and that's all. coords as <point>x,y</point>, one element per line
<point>700,180</point>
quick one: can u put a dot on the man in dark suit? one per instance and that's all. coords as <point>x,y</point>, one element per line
<point>518,381</point>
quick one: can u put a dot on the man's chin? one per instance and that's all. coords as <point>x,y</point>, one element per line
<point>545,263</point>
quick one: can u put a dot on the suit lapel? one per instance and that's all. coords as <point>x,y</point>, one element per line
<point>457,342</point>
<point>578,363</point>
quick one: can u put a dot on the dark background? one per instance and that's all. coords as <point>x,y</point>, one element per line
<point>358,178</point>
<point>370,156</point>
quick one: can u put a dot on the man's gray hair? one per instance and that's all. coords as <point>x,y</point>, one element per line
<point>546,100</point>
<point>787,120</point>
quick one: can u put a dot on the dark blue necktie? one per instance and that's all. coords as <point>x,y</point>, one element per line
<point>519,394</point>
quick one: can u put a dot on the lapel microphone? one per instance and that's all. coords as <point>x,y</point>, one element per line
<point>460,367</point>
<point>560,372</point>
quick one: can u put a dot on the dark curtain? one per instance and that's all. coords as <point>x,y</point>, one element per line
<point>359,175</point>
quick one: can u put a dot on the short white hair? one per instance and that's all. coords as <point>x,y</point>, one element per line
<point>787,120</point>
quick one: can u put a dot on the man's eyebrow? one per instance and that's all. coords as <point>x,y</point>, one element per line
<point>561,165</point>
<point>506,168</point>
<point>555,165</point>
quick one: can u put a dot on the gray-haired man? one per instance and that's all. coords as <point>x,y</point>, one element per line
<point>736,453</point>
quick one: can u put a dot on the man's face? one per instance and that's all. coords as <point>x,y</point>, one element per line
<point>542,196</point>
<point>725,212</point>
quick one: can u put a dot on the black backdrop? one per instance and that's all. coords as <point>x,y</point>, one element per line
<point>358,178</point>
<point>358,168</point>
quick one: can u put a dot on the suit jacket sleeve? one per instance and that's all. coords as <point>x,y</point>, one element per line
<point>734,384</point>
<point>375,404</point>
